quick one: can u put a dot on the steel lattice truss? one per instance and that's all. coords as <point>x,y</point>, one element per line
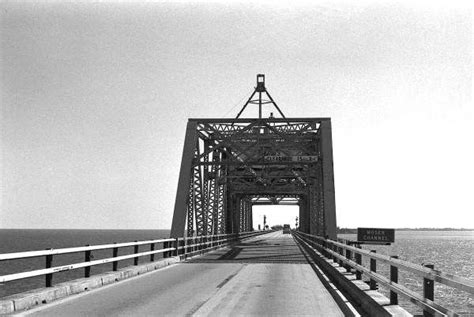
<point>229,165</point>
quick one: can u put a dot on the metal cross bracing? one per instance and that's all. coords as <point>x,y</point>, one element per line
<point>230,165</point>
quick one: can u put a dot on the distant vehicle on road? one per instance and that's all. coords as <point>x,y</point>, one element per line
<point>286,228</point>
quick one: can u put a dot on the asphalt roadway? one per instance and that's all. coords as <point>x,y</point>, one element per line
<point>265,275</point>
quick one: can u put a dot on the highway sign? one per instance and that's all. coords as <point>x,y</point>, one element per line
<point>375,235</point>
<point>295,158</point>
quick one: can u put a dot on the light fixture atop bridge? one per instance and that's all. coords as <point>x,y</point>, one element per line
<point>260,89</point>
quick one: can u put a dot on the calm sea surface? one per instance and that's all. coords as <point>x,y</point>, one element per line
<point>13,240</point>
<point>450,252</point>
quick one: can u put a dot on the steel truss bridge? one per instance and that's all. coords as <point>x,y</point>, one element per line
<point>230,165</point>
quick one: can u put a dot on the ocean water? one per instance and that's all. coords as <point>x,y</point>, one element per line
<point>16,240</point>
<point>450,252</point>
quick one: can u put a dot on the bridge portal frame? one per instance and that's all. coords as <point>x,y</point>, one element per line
<point>225,171</point>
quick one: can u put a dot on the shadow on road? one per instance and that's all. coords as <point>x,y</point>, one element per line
<point>275,249</point>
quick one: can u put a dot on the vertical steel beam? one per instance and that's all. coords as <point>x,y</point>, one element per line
<point>247,215</point>
<point>328,178</point>
<point>229,206</point>
<point>241,219</point>
<point>236,211</point>
<point>221,216</point>
<point>207,217</point>
<point>199,201</point>
<point>213,196</point>
<point>223,204</point>
<point>314,209</point>
<point>190,211</point>
<point>251,216</point>
<point>304,214</point>
<point>300,215</point>
<point>180,206</point>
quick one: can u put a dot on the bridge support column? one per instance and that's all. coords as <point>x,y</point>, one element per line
<point>304,215</point>
<point>235,213</point>
<point>328,179</point>
<point>182,195</point>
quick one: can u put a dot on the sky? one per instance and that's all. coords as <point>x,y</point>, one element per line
<point>95,98</point>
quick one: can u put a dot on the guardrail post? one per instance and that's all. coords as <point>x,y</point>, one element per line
<point>327,248</point>
<point>428,290</point>
<point>87,258</point>
<point>373,268</point>
<point>185,248</point>
<point>135,250</point>
<point>334,248</point>
<point>341,252</point>
<point>165,246</point>
<point>114,254</point>
<point>348,256</point>
<point>393,279</point>
<point>152,256</point>
<point>49,263</point>
<point>358,259</point>
<point>176,245</point>
<point>325,245</point>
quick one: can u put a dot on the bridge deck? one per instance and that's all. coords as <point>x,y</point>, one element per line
<point>265,275</point>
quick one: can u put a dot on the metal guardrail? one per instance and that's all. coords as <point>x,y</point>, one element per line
<point>187,246</point>
<point>350,257</point>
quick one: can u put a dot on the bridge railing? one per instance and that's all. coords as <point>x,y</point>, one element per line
<point>187,246</point>
<point>351,258</point>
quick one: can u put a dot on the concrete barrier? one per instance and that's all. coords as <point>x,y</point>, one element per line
<point>30,299</point>
<point>6,306</point>
<point>84,284</point>
<point>112,277</point>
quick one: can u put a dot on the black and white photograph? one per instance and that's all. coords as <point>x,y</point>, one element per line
<point>236,158</point>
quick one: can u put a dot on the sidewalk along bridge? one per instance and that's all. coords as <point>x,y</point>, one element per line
<point>216,264</point>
